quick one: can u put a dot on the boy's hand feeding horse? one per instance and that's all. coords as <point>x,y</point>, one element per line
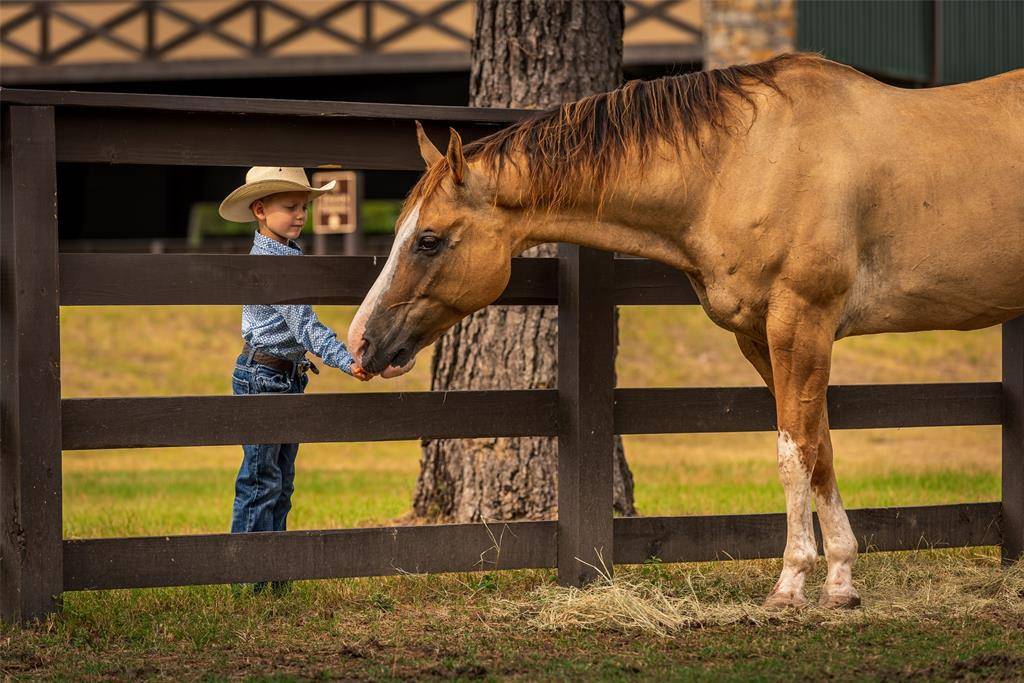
<point>805,201</point>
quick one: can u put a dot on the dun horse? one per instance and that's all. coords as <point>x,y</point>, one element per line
<point>805,201</point>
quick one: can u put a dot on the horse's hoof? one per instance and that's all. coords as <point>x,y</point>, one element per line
<point>845,600</point>
<point>780,601</point>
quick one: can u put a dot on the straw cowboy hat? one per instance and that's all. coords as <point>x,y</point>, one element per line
<point>262,181</point>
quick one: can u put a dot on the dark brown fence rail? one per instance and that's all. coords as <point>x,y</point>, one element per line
<point>89,423</point>
<point>184,560</point>
<point>134,279</point>
<point>41,129</point>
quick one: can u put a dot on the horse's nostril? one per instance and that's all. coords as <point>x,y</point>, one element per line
<point>365,354</point>
<point>399,358</point>
<point>364,349</point>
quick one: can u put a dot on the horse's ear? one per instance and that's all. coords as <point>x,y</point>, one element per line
<point>428,151</point>
<point>456,160</point>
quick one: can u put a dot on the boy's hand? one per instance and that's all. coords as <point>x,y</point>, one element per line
<point>360,374</point>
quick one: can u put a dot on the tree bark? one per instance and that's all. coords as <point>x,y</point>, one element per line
<point>528,54</point>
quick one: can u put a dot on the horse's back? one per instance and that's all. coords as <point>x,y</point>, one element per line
<point>933,182</point>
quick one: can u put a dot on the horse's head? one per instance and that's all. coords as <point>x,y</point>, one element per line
<point>450,258</point>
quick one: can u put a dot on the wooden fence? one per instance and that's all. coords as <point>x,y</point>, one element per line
<point>41,129</point>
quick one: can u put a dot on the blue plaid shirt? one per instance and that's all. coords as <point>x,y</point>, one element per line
<point>290,331</point>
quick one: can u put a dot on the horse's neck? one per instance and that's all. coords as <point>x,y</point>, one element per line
<point>584,229</point>
<point>646,215</point>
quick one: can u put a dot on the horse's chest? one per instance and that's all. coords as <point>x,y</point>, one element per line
<point>732,303</point>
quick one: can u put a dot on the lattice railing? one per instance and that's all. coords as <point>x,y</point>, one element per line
<point>58,40</point>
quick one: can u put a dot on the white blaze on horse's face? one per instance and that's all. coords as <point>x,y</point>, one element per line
<point>356,330</point>
<point>451,257</point>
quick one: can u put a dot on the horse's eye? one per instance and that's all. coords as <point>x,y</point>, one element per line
<point>427,243</point>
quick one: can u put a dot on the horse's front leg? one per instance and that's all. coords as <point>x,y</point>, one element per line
<point>800,346</point>
<point>840,543</point>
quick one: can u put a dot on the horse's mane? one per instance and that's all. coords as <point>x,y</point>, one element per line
<point>582,144</point>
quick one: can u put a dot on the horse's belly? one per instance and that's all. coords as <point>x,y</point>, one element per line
<point>949,255</point>
<point>953,298</point>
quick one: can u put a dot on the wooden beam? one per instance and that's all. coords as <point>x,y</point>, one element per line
<point>586,385</point>
<point>212,420</point>
<point>30,448</point>
<point>262,65</point>
<point>205,559</point>
<point>292,555</point>
<point>1013,440</point>
<point>166,279</point>
<point>752,409</point>
<point>223,279</point>
<point>154,137</point>
<point>292,418</point>
<point>644,282</point>
<point>445,115</point>
<point>747,537</point>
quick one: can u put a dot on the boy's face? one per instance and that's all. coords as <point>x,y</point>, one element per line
<point>283,214</point>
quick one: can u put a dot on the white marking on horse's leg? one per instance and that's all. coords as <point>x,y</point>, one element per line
<point>356,330</point>
<point>840,549</point>
<point>801,549</point>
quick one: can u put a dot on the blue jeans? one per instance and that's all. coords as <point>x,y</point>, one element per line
<point>266,479</point>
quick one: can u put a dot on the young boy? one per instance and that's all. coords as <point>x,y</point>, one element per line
<point>273,358</point>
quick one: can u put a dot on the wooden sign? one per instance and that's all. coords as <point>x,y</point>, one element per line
<point>337,211</point>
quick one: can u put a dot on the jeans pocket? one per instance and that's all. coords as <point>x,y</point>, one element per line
<point>270,382</point>
<point>240,386</point>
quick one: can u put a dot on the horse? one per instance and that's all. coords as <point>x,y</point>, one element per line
<point>805,201</point>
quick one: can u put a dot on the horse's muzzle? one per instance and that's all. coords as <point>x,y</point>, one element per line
<point>378,357</point>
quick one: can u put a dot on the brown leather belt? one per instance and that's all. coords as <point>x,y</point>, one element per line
<point>280,364</point>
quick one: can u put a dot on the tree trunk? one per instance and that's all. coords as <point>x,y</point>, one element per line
<point>528,54</point>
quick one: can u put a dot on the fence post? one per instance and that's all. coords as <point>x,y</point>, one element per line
<point>586,389</point>
<point>31,566</point>
<point>1013,440</point>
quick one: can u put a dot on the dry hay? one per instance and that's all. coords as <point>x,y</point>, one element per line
<point>922,586</point>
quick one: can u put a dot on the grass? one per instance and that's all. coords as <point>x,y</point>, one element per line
<point>500,625</point>
<point>932,615</point>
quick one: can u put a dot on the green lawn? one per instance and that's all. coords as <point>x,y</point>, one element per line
<point>927,615</point>
<point>914,624</point>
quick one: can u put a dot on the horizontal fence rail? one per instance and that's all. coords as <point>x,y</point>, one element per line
<point>852,406</point>
<point>293,555</point>
<point>215,558</point>
<point>246,106</point>
<point>750,537</point>
<point>175,279</point>
<point>310,418</point>
<point>96,423</point>
<point>118,129</point>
